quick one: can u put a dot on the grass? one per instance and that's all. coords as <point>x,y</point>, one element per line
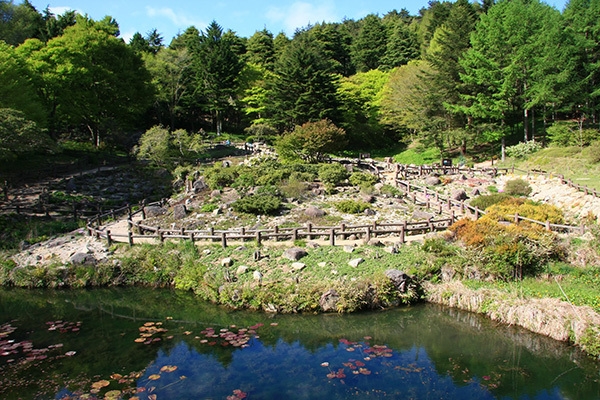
<point>418,157</point>
<point>573,162</point>
<point>580,287</point>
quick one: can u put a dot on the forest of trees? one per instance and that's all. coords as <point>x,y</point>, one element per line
<point>457,75</point>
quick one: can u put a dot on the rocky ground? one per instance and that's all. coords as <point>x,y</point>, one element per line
<point>80,248</point>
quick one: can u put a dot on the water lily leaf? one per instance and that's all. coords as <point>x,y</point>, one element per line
<point>113,394</point>
<point>70,353</point>
<point>100,384</point>
<point>116,376</point>
<point>168,368</point>
<point>140,340</point>
<point>325,364</point>
<point>154,377</point>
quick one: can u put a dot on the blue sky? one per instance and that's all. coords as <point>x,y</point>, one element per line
<point>242,16</point>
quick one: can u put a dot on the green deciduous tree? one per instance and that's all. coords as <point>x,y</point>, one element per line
<point>19,22</point>
<point>360,96</point>
<point>311,142</point>
<point>171,78</point>
<point>16,88</point>
<point>19,136</point>
<point>90,79</point>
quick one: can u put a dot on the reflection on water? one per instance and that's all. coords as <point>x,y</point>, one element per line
<point>162,344</point>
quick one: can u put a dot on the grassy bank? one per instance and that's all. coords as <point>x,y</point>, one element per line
<point>552,317</point>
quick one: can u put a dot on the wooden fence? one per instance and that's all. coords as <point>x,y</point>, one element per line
<point>310,232</point>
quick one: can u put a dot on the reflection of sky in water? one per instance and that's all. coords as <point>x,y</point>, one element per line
<point>290,371</point>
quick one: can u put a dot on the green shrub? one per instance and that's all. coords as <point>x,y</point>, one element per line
<point>362,179</point>
<point>266,201</point>
<point>485,201</point>
<point>332,174</point>
<point>219,177</point>
<point>351,206</point>
<point>517,187</point>
<point>390,190</point>
<point>209,207</point>
<point>523,149</point>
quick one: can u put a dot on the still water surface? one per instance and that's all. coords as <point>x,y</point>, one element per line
<point>163,344</point>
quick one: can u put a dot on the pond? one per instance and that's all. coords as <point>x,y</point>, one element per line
<point>142,343</point>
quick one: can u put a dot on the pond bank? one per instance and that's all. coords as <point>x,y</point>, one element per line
<point>557,319</point>
<point>247,277</point>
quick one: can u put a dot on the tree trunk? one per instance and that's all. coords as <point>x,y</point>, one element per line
<point>503,149</point>
<point>526,124</point>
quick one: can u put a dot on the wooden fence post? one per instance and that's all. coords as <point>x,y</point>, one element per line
<point>258,238</point>
<point>191,234</point>
<point>276,231</point>
<point>224,240</point>
<point>243,233</point>
<point>430,223</point>
<point>332,237</point>
<point>402,233</point>
<point>295,234</point>
<point>160,233</point>
<point>130,237</point>
<point>108,238</point>
<point>309,230</point>
<point>342,230</point>
<point>462,207</point>
<point>548,225</point>
<point>517,218</point>
<point>367,234</point>
<point>582,229</point>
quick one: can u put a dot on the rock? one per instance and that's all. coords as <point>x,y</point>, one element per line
<point>206,252</point>
<point>374,242</point>
<point>154,211</point>
<point>294,253</point>
<point>328,300</point>
<point>298,266</point>
<point>216,211</point>
<point>475,192</point>
<point>367,198</point>
<point>458,195</point>
<point>348,249</point>
<point>314,212</point>
<point>369,212</point>
<point>82,259</point>
<point>391,249</point>
<point>322,264</point>
<point>71,185</point>
<point>241,270</point>
<point>352,237</point>
<point>432,181</point>
<point>398,278</point>
<point>24,245</point>
<point>257,276</point>
<point>226,262</point>
<point>313,245</point>
<point>199,185</point>
<point>215,193</point>
<point>179,212</point>
<point>356,262</point>
<point>418,215</point>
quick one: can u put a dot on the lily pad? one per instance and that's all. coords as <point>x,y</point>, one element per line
<point>100,384</point>
<point>154,377</point>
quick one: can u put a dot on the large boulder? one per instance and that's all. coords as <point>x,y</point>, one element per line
<point>154,211</point>
<point>80,258</point>
<point>314,212</point>
<point>294,253</point>
<point>199,185</point>
<point>458,195</point>
<point>328,300</point>
<point>432,180</point>
<point>179,211</point>
<point>399,279</point>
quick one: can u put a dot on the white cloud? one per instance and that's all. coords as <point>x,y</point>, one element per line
<point>301,14</point>
<point>61,10</point>
<point>178,19</point>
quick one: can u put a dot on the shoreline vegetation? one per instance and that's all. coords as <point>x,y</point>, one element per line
<point>516,274</point>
